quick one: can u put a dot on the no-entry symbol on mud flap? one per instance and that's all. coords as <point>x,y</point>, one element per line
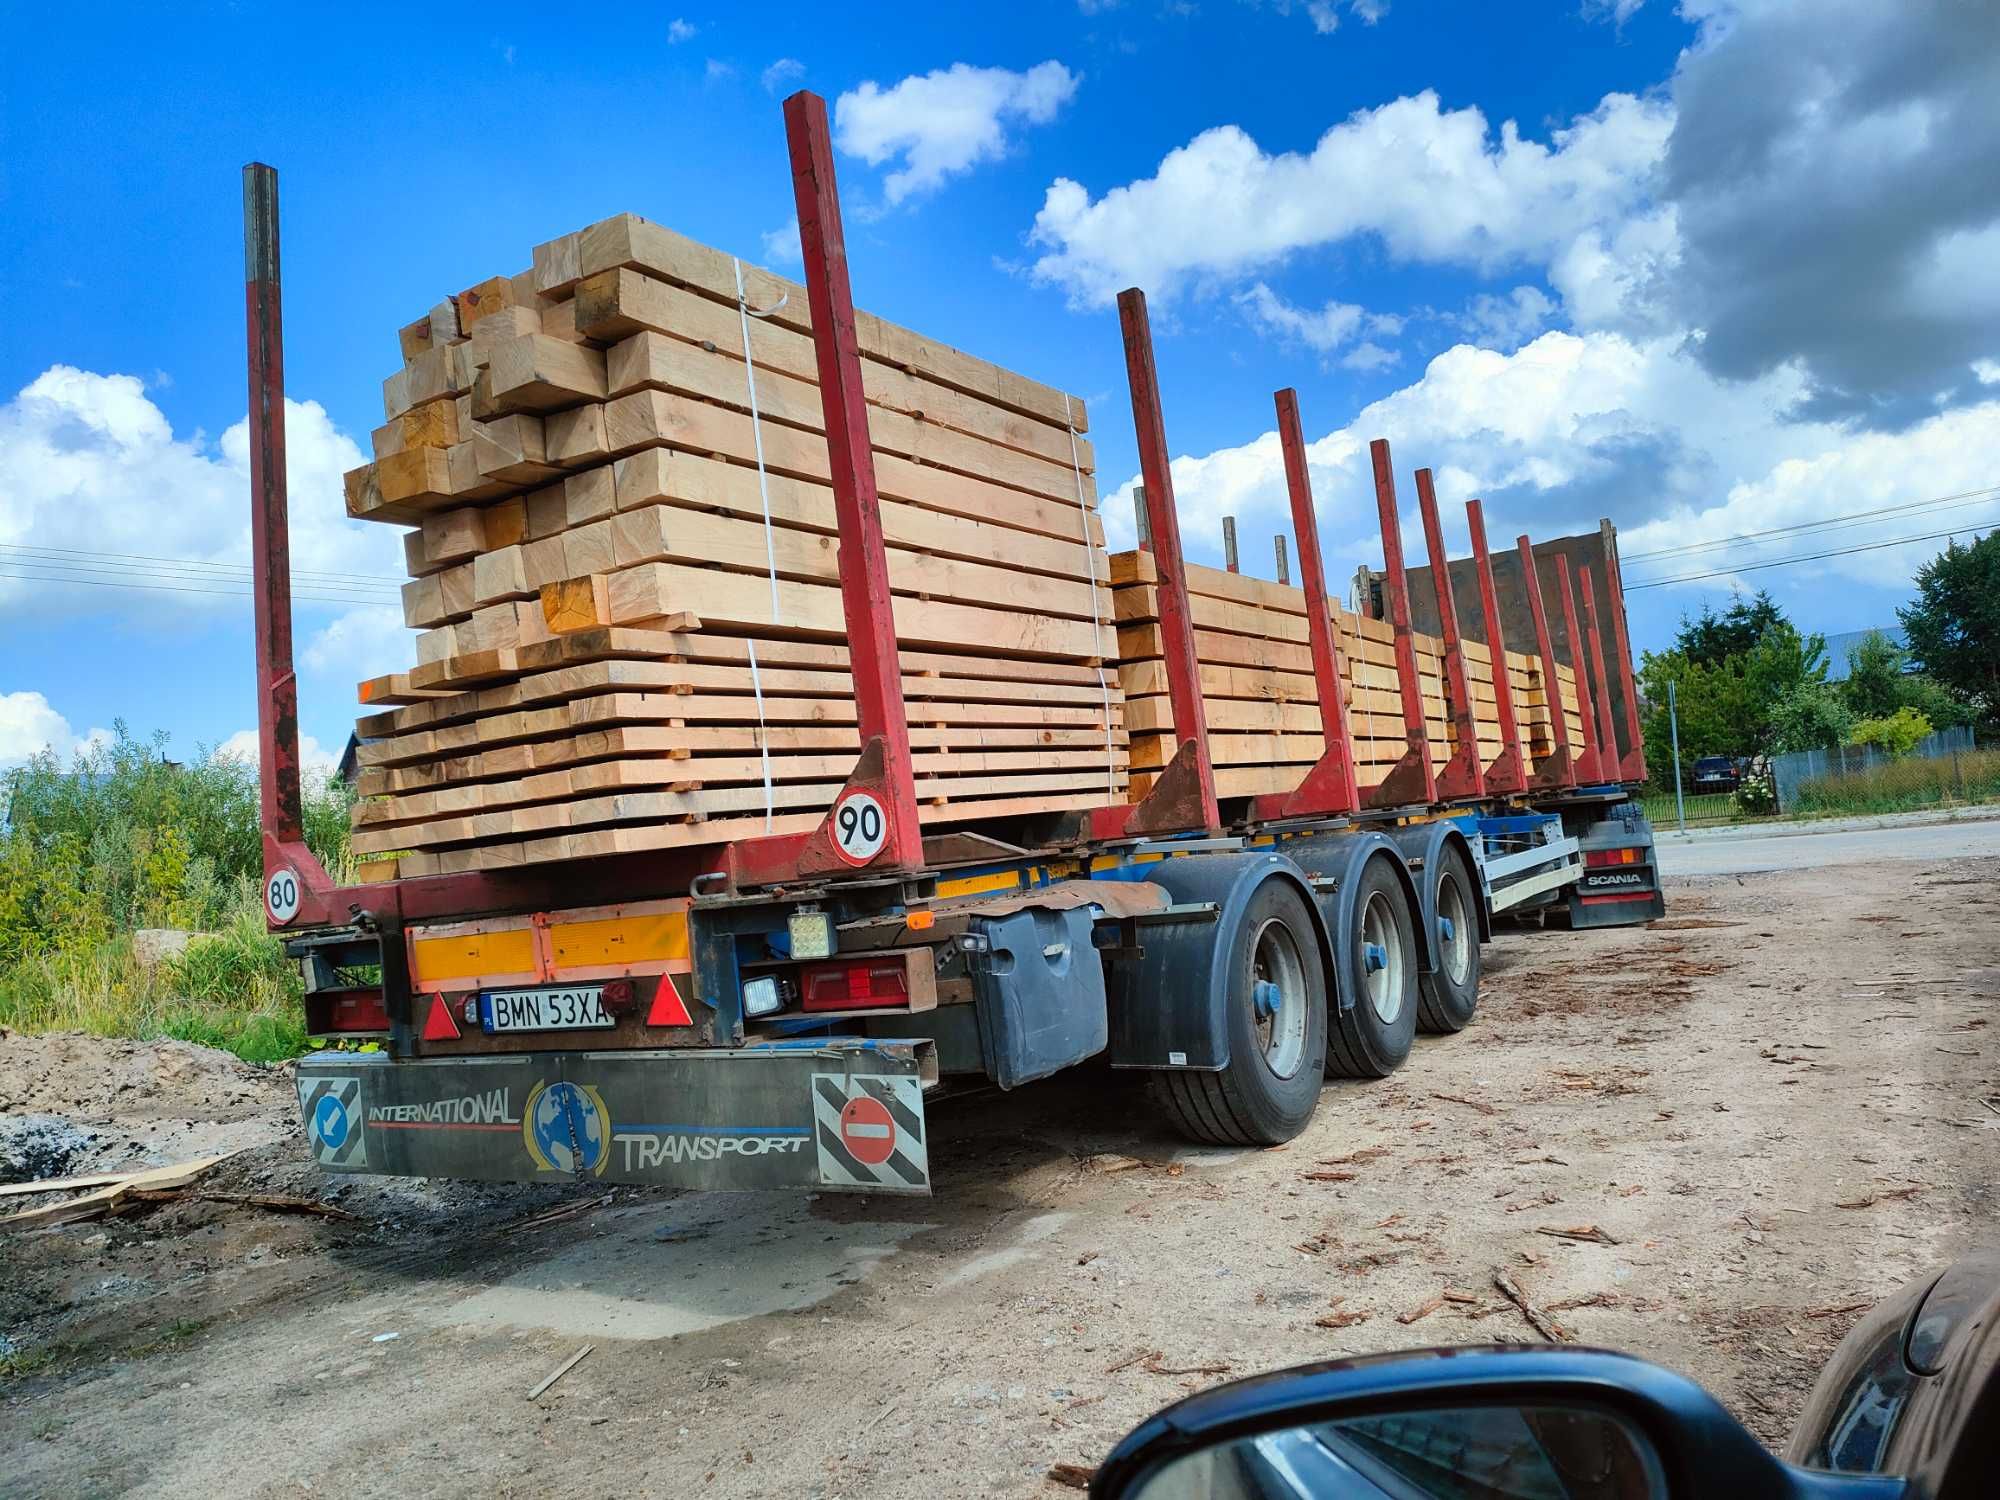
<point>867,1131</point>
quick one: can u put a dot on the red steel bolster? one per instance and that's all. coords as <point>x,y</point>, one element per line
<point>1460,776</point>
<point>1195,792</point>
<point>1557,769</point>
<point>1509,772</point>
<point>1329,788</point>
<point>1589,760</point>
<point>1411,779</point>
<point>864,563</point>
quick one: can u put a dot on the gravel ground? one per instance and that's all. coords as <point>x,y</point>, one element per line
<point>1762,1112</point>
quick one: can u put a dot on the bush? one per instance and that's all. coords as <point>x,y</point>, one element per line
<point>122,839</point>
<point>1757,795</point>
<point>1899,734</point>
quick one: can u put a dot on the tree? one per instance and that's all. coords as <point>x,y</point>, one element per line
<point>1812,716</point>
<point>1879,682</point>
<point>1727,705</point>
<point>1953,625</point>
<point>1712,639</point>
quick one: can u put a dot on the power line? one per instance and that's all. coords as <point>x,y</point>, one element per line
<point>1860,517</point>
<point>360,593</point>
<point>1785,562</point>
<point>181,563</point>
<point>169,588</point>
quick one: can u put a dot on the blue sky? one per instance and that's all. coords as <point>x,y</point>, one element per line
<point>1664,293</point>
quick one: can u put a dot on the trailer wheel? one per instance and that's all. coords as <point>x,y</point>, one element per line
<point>1371,1038</point>
<point>1277,1032</point>
<point>1447,998</point>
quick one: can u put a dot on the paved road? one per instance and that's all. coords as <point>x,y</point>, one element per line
<point>1797,851</point>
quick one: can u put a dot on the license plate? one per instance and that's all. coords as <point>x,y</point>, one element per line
<point>575,1008</point>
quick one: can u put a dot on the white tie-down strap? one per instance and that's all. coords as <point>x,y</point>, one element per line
<point>744,314</point>
<point>1096,621</point>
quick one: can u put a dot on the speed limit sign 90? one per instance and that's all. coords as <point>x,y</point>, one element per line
<point>860,827</point>
<point>281,896</point>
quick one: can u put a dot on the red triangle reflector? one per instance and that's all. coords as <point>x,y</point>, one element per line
<point>668,1009</point>
<point>440,1027</point>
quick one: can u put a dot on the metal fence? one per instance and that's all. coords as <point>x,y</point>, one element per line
<point>1791,772</point>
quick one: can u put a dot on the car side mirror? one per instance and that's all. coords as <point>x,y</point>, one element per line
<point>1459,1424</point>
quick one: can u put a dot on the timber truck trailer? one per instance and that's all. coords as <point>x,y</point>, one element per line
<point>779,1012</point>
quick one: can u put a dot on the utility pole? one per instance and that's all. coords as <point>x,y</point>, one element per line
<point>1674,726</point>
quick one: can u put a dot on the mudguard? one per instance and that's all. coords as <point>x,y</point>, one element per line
<point>1423,846</point>
<point>1169,1003</point>
<point>1332,862</point>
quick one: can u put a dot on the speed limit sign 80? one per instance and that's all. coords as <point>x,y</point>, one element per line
<point>281,895</point>
<point>860,827</point>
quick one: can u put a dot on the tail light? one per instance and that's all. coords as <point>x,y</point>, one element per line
<point>1598,858</point>
<point>860,984</point>
<point>346,1013</point>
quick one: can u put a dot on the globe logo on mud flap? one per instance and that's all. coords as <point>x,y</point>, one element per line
<point>567,1128</point>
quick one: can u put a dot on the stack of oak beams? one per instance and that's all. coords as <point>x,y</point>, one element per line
<point>1260,698</point>
<point>627,585</point>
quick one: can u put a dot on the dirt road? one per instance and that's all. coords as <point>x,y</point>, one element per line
<point>1770,1107</point>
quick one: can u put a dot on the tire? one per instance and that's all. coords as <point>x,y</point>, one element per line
<point>1446,999</point>
<point>1371,1039</point>
<point>1268,1092</point>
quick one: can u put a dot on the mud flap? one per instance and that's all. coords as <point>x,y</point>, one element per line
<point>847,1116</point>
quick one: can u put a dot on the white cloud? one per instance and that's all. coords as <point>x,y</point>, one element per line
<point>360,643</point>
<point>1324,329</point>
<point>90,467</point>
<point>1096,7</point>
<point>1324,15</point>
<point>1987,371</point>
<point>1432,185</point>
<point>1370,356</point>
<point>1368,12</point>
<point>780,73</point>
<point>781,245</point>
<point>315,760</point>
<point>1617,12</point>
<point>28,726</point>
<point>945,122</point>
<point>1509,321</point>
<point>679,31</point>
<point>1572,427</point>
<point>718,71</point>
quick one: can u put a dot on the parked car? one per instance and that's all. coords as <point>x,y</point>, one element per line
<point>1909,1405</point>
<point>1718,773</point>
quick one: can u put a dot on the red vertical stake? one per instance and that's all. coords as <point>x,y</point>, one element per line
<point>1633,766</point>
<point>863,561</point>
<point>1556,769</point>
<point>1589,760</point>
<point>1607,736</point>
<point>1330,787</point>
<point>1509,773</point>
<point>1411,779</point>
<point>1186,791</point>
<point>270,532</point>
<point>1460,776</point>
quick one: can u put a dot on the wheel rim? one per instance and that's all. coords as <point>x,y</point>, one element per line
<point>1278,997</point>
<point>1382,958</point>
<point>1454,929</point>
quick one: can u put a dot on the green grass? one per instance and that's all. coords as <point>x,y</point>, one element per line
<point>124,838</point>
<point>1906,785</point>
<point>234,990</point>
